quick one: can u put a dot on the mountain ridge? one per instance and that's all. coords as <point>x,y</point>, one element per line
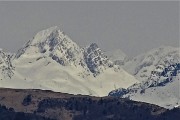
<point>158,72</point>
<point>51,60</point>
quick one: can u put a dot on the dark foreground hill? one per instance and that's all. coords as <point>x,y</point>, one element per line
<point>16,104</point>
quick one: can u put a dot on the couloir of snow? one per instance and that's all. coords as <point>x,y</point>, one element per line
<point>51,60</point>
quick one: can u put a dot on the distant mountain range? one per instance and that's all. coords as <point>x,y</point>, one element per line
<point>159,74</point>
<point>52,61</point>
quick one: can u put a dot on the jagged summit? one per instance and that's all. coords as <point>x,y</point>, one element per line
<point>51,60</point>
<point>59,47</point>
<point>42,35</point>
<point>93,46</point>
<point>52,43</point>
<point>96,60</point>
<point>51,36</point>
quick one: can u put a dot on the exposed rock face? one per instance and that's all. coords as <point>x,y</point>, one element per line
<point>6,67</point>
<point>96,60</point>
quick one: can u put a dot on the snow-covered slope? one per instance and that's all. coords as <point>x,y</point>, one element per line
<point>51,60</point>
<point>117,56</point>
<point>162,87</point>
<point>55,44</point>
<point>142,65</point>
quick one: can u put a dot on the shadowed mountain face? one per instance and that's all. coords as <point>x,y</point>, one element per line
<point>38,104</point>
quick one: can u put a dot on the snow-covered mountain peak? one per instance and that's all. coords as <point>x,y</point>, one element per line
<point>42,35</point>
<point>158,72</point>
<point>51,60</point>
<point>142,65</point>
<point>52,43</point>
<point>96,60</point>
<point>93,46</point>
<point>51,37</point>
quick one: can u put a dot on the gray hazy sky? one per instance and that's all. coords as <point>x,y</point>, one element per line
<point>133,27</point>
